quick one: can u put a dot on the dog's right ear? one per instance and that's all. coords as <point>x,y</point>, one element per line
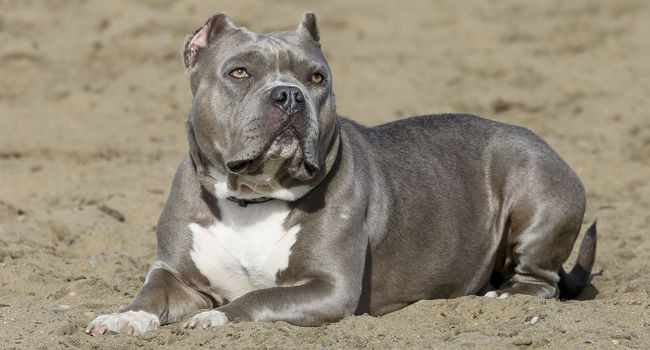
<point>202,37</point>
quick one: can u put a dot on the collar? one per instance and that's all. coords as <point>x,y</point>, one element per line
<point>246,202</point>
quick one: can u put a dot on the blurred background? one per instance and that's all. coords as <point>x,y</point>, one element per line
<point>93,101</point>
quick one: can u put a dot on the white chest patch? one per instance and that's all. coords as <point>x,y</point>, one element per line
<point>245,250</point>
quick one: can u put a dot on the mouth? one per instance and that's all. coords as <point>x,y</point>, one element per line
<point>284,144</point>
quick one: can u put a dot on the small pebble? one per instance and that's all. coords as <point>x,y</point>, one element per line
<point>534,320</point>
<point>615,341</point>
<point>522,341</point>
<point>95,259</point>
<point>591,341</point>
<point>64,307</point>
<point>8,320</point>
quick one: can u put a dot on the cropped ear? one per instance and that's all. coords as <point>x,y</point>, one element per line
<point>202,37</point>
<point>308,26</point>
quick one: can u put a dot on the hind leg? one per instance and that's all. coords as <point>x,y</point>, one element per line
<point>537,245</point>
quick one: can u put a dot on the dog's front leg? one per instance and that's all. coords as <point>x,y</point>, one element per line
<point>311,304</point>
<point>163,299</point>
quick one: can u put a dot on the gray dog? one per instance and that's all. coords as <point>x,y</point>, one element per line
<point>284,211</point>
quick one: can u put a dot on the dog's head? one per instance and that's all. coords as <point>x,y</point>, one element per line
<point>263,120</point>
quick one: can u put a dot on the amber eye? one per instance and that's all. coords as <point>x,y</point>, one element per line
<point>239,73</point>
<point>317,78</point>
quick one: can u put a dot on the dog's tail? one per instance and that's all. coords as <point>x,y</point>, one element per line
<point>572,283</point>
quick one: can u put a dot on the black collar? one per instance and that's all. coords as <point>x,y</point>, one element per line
<point>245,202</point>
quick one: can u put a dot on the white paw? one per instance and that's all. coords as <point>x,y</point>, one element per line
<point>130,322</point>
<point>207,319</point>
<point>495,295</point>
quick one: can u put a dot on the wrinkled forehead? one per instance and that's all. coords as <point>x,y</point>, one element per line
<point>286,49</point>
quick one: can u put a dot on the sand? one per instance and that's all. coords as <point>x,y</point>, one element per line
<point>93,100</point>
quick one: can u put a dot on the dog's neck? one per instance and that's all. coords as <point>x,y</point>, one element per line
<point>247,189</point>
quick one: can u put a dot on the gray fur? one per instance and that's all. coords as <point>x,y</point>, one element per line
<point>435,206</point>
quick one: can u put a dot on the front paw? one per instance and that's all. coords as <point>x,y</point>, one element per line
<point>130,322</point>
<point>207,319</point>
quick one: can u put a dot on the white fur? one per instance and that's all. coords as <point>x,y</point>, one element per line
<point>221,186</point>
<point>207,319</point>
<point>141,322</point>
<point>245,250</point>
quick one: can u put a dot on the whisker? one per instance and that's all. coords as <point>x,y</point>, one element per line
<point>274,189</point>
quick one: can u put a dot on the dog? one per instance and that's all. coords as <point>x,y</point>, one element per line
<point>284,211</point>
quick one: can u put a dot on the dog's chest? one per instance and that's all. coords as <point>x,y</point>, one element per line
<point>245,249</point>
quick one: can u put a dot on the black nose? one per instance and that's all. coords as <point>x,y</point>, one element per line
<point>288,98</point>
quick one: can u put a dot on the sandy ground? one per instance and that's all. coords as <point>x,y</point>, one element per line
<point>92,104</point>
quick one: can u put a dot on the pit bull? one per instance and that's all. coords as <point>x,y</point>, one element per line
<point>284,211</point>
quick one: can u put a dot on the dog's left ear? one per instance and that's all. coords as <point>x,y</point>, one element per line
<point>308,26</point>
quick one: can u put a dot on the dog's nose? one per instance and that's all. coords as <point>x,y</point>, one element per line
<point>288,98</point>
